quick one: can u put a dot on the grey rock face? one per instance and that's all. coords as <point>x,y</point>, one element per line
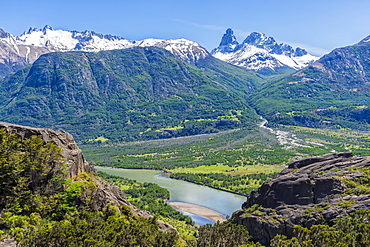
<point>228,39</point>
<point>309,191</point>
<point>261,53</point>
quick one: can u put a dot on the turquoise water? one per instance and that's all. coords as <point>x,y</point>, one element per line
<point>181,191</point>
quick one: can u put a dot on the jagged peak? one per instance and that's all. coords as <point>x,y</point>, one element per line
<point>299,52</point>
<point>47,27</point>
<point>31,30</point>
<point>248,53</point>
<point>228,38</point>
<point>257,38</point>
<point>3,34</point>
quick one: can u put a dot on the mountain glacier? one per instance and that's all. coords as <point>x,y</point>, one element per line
<point>261,53</point>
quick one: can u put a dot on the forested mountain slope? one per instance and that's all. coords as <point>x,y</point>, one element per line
<point>332,92</point>
<point>138,93</point>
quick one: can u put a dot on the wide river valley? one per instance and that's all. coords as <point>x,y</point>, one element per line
<point>181,191</point>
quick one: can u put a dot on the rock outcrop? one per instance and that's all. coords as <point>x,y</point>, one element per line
<point>104,193</point>
<point>72,155</point>
<point>310,191</point>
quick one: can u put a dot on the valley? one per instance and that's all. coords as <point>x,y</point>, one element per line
<point>237,161</point>
<point>272,123</point>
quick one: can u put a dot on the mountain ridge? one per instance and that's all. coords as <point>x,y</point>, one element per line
<point>143,92</point>
<point>332,92</point>
<point>19,51</point>
<point>261,53</point>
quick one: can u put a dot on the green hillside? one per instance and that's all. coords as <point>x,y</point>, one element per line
<point>131,94</point>
<point>332,92</point>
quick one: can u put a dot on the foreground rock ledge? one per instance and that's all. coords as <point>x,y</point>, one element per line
<point>310,191</point>
<point>105,193</point>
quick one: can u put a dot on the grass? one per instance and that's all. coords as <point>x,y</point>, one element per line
<point>238,170</point>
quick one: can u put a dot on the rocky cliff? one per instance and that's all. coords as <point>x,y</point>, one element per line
<point>310,191</point>
<point>95,194</point>
<point>104,193</point>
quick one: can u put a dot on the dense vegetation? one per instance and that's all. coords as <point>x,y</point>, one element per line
<point>41,211</point>
<point>352,230</point>
<point>224,234</point>
<point>130,94</point>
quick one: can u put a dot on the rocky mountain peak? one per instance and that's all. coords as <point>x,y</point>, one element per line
<point>47,27</point>
<point>269,44</point>
<point>261,53</point>
<point>228,38</point>
<point>3,34</point>
<point>300,52</point>
<point>258,39</point>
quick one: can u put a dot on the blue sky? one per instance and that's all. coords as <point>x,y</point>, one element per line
<point>318,26</point>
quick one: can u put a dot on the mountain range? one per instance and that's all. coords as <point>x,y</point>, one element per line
<point>261,53</point>
<point>91,84</point>
<point>19,51</point>
<point>257,52</point>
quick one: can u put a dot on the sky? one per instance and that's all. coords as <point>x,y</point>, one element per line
<point>319,26</point>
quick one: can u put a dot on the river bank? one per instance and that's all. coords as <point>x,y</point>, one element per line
<point>198,210</point>
<point>181,191</point>
<point>168,174</point>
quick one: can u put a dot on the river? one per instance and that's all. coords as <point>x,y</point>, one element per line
<point>181,191</point>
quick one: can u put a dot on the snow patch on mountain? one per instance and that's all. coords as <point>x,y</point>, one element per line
<point>259,52</point>
<point>61,40</point>
<point>184,49</point>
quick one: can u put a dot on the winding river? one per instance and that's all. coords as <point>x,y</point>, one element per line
<point>181,191</point>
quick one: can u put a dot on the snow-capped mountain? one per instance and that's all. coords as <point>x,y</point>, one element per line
<point>261,53</point>
<point>18,51</point>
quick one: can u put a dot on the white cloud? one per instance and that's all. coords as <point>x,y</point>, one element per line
<point>205,26</point>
